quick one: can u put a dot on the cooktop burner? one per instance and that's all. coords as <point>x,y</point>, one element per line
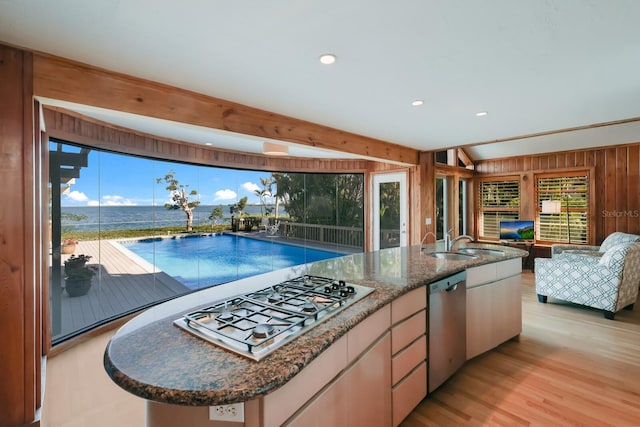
<point>257,323</point>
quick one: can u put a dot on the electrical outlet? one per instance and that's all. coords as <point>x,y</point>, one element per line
<point>233,412</point>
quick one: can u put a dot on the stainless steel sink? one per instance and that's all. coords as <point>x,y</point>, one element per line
<point>452,256</point>
<point>481,251</point>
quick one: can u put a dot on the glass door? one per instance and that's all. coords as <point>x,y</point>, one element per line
<point>389,210</point>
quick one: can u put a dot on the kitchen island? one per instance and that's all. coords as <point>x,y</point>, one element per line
<point>183,376</point>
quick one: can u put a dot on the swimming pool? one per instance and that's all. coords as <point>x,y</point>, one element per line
<point>207,260</point>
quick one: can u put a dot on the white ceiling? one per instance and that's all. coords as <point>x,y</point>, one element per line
<point>535,66</point>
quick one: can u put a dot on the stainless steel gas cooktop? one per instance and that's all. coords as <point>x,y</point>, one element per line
<point>257,323</point>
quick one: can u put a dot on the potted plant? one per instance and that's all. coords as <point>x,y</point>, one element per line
<point>68,246</point>
<point>78,275</point>
<point>75,262</point>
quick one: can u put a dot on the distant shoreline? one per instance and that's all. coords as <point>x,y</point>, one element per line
<point>102,218</point>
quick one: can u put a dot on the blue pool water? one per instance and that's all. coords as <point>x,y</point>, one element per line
<point>201,261</point>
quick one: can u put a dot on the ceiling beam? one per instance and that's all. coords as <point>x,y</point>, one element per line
<point>66,80</point>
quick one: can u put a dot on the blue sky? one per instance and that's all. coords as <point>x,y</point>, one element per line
<point>119,180</point>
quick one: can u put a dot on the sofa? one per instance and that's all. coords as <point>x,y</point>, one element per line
<point>611,240</point>
<point>604,279</point>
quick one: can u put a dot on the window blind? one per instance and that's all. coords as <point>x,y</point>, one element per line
<point>500,201</point>
<point>571,224</point>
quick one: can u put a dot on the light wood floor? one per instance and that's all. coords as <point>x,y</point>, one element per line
<point>571,367</point>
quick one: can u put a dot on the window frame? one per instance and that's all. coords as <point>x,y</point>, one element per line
<point>587,210</point>
<point>482,210</point>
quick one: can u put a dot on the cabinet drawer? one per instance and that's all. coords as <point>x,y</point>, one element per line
<point>509,268</point>
<point>367,331</point>
<point>408,304</point>
<point>285,401</point>
<point>407,359</point>
<point>405,332</point>
<point>481,274</point>
<point>408,394</point>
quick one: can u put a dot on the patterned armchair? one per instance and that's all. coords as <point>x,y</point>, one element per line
<point>609,282</point>
<point>611,240</point>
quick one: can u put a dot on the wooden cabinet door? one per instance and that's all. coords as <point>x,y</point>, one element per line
<point>361,396</point>
<point>370,387</point>
<point>494,314</point>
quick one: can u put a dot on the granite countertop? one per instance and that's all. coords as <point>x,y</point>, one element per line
<point>153,359</point>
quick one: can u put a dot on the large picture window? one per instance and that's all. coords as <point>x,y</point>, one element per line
<point>499,201</point>
<point>128,232</point>
<point>571,192</point>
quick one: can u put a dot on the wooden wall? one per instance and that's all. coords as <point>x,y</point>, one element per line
<point>617,181</point>
<point>20,256</point>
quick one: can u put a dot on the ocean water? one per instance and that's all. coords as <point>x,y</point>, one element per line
<point>201,261</point>
<point>142,217</point>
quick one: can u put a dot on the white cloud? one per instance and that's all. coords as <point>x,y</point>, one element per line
<point>114,200</point>
<point>77,196</point>
<point>250,186</point>
<point>225,195</point>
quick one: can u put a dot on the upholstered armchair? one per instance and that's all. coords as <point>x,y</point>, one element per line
<point>608,282</point>
<point>611,240</point>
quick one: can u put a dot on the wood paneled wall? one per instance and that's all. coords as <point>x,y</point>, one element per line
<point>616,174</point>
<point>20,283</point>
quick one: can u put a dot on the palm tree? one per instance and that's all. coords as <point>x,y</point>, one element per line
<point>263,193</point>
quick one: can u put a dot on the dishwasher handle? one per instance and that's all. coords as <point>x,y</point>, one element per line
<point>448,284</point>
<point>452,288</point>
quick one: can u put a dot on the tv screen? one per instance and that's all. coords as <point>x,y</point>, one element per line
<point>516,230</point>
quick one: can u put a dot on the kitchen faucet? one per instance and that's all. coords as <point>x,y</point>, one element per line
<point>424,239</point>
<point>447,240</point>
<point>452,242</point>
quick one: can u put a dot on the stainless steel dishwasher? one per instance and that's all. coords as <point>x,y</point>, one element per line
<point>447,328</point>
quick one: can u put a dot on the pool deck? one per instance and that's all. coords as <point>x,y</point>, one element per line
<point>123,284</point>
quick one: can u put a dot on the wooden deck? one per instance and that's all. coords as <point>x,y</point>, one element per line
<point>121,285</point>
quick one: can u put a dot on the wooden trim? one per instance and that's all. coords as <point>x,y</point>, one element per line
<point>465,159</point>
<point>62,79</point>
<point>76,128</point>
<point>415,221</point>
<point>19,292</point>
<point>427,172</point>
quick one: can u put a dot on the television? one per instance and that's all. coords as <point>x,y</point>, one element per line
<point>517,230</point>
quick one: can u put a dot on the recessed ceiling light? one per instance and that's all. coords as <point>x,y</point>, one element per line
<point>481,113</point>
<point>208,143</point>
<point>417,102</point>
<point>328,58</point>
